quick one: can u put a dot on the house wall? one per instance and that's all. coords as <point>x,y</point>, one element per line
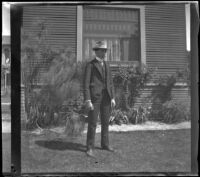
<point>179,93</point>
<point>60,22</point>
<point>165,37</point>
<point>164,29</point>
<point>62,29</point>
<point>166,44</point>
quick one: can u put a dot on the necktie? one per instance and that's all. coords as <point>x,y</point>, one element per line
<point>101,62</point>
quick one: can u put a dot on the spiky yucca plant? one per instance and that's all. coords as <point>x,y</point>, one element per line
<point>35,55</point>
<point>62,82</point>
<point>57,71</point>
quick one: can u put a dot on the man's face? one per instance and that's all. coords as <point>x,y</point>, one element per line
<point>100,53</point>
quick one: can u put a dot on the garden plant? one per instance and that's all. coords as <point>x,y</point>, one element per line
<point>52,80</point>
<point>129,82</point>
<point>164,107</point>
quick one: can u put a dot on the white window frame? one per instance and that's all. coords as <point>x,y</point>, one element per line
<point>142,29</point>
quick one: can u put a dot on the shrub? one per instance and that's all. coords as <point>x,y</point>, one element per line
<point>118,117</point>
<point>172,112</point>
<point>61,78</point>
<point>62,85</point>
<point>134,115</point>
<point>163,89</point>
<point>161,93</point>
<point>130,80</point>
<point>139,115</point>
<point>159,106</point>
<point>163,107</point>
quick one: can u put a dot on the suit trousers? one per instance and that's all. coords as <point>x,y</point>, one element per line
<point>102,107</point>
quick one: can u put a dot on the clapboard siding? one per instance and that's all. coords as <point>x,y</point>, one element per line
<point>165,37</point>
<point>60,23</point>
<point>61,27</point>
<point>180,94</point>
<point>166,43</point>
<point>60,20</point>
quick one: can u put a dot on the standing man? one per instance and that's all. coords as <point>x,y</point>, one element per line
<point>99,97</point>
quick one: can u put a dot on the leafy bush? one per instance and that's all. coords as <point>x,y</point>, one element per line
<point>164,108</point>
<point>118,117</point>
<point>129,81</point>
<point>140,114</point>
<point>173,112</point>
<point>161,93</point>
<point>134,116</point>
<point>159,106</point>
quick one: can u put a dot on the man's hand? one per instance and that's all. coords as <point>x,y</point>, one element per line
<point>113,104</point>
<point>89,105</point>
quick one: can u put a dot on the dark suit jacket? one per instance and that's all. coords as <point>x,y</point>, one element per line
<point>93,81</point>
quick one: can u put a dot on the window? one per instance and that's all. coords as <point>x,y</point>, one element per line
<point>119,27</point>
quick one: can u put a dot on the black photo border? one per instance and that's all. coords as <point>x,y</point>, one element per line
<point>16,15</point>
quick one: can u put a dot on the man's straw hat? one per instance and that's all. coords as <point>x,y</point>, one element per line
<point>100,45</point>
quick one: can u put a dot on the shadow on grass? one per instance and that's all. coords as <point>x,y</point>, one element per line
<point>61,145</point>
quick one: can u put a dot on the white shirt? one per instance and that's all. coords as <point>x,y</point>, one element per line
<point>100,60</point>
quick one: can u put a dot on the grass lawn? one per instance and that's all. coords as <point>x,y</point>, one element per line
<point>138,151</point>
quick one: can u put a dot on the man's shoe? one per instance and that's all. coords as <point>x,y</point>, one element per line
<point>90,153</point>
<point>109,149</point>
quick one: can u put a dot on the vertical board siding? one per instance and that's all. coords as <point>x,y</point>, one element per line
<point>166,37</point>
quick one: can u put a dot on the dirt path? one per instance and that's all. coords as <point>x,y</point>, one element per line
<point>125,128</point>
<point>149,125</point>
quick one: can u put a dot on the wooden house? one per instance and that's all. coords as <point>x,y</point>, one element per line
<point>153,34</point>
